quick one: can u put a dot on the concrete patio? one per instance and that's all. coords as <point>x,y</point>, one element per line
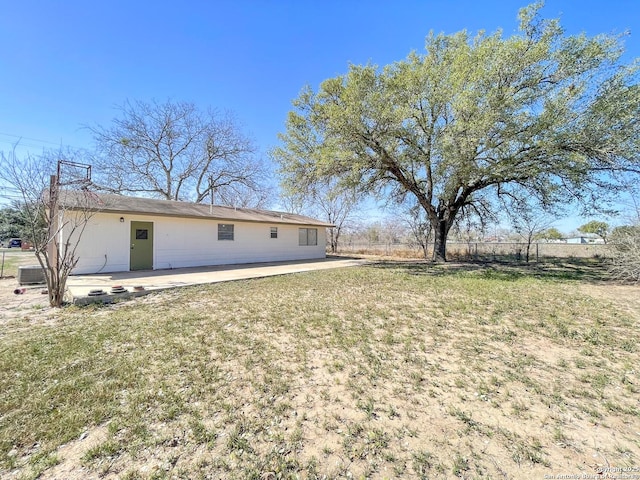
<point>84,289</point>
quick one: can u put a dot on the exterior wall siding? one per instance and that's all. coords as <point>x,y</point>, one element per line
<point>185,242</point>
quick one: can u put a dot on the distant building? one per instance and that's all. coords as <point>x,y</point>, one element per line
<point>585,239</point>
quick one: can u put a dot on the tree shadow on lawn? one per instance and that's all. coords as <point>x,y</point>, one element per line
<point>590,270</point>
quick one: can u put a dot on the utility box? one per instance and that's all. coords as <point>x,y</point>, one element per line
<point>30,274</point>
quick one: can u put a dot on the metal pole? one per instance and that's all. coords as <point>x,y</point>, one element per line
<point>52,249</point>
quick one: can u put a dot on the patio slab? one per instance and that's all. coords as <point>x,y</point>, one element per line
<point>83,289</point>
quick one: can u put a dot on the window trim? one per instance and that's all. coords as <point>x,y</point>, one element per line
<point>142,234</point>
<point>224,233</point>
<point>305,242</point>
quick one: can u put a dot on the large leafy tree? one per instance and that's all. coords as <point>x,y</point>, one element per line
<point>176,151</point>
<point>539,114</point>
<point>12,222</point>
<point>550,234</point>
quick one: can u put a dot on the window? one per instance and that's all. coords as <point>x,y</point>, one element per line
<point>225,231</point>
<point>308,236</point>
<point>274,232</point>
<point>142,234</point>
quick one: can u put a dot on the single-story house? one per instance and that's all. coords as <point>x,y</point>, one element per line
<point>126,233</point>
<point>585,239</point>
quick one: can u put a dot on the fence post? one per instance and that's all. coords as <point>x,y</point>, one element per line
<point>537,253</point>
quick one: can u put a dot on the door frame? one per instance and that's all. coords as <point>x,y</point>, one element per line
<point>144,259</point>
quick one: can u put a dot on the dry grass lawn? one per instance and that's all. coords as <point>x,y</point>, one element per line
<point>394,370</point>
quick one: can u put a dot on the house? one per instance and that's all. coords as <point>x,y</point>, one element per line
<point>584,239</point>
<point>126,233</point>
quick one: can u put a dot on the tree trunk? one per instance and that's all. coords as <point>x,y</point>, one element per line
<point>333,241</point>
<point>336,239</point>
<point>441,230</point>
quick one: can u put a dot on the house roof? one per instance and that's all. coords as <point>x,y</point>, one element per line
<point>110,203</point>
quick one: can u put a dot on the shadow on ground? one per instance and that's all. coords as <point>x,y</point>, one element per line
<point>582,270</point>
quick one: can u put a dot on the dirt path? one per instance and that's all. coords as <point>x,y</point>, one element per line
<point>27,305</point>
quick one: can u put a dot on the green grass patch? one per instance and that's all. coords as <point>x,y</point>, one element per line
<point>11,259</point>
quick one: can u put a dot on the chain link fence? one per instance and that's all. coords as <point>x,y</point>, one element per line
<point>483,251</point>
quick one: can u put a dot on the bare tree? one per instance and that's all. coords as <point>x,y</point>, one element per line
<point>51,226</point>
<point>420,228</point>
<point>293,203</point>
<point>624,243</point>
<point>326,199</point>
<point>625,253</point>
<point>175,151</point>
<point>469,227</point>
<point>529,225</point>
<point>337,206</point>
<point>241,196</point>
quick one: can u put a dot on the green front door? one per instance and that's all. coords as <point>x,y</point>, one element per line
<point>141,246</point>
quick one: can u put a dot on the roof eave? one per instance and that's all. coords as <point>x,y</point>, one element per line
<point>208,217</point>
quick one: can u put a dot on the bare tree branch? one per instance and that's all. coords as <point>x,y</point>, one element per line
<point>175,151</point>
<point>54,234</point>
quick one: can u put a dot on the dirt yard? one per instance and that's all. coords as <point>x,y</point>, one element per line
<point>31,301</point>
<point>391,370</point>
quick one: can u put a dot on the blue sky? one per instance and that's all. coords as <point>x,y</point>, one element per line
<point>65,64</point>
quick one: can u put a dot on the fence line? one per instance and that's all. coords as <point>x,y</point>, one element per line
<point>513,251</point>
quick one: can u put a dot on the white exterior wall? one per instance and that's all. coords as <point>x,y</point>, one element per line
<point>189,242</point>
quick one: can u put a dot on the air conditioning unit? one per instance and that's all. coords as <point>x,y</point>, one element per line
<point>30,274</point>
